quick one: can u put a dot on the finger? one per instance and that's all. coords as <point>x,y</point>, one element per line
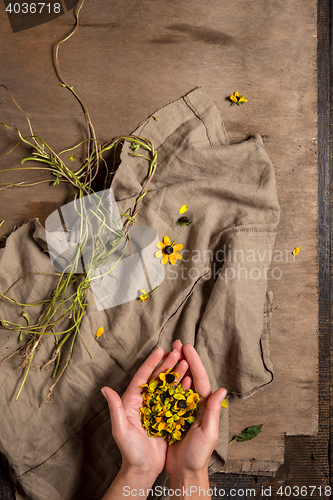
<point>181,370</point>
<point>199,374</point>
<point>179,347</point>
<point>144,372</point>
<point>168,362</point>
<point>211,418</point>
<point>186,383</point>
<point>117,413</point>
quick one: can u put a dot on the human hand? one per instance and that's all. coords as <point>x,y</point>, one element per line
<point>141,454</point>
<point>190,456</point>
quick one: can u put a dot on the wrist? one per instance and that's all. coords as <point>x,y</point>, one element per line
<point>129,481</point>
<point>189,484</point>
<point>138,475</point>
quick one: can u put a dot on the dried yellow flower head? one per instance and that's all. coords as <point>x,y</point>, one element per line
<point>235,98</point>
<point>168,410</point>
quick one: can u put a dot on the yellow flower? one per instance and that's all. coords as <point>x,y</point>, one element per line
<point>168,251</point>
<point>235,98</point>
<point>144,295</point>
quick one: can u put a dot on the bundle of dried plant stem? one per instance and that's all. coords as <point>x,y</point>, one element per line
<point>68,301</point>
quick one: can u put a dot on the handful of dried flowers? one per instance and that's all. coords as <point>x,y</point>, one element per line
<point>168,409</point>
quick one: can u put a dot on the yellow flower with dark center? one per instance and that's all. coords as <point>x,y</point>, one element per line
<point>168,251</point>
<point>235,98</point>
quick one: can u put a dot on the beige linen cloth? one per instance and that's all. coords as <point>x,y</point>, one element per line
<point>215,298</point>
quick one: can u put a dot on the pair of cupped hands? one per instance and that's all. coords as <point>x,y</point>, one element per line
<point>144,456</point>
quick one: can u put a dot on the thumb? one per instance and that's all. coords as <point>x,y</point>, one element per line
<point>117,412</point>
<point>211,419</point>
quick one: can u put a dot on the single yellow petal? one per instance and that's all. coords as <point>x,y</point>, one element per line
<point>236,94</point>
<point>159,253</point>
<point>153,384</point>
<point>177,255</point>
<point>100,332</point>
<point>296,251</point>
<point>179,396</point>
<point>172,258</point>
<point>224,404</point>
<point>177,247</point>
<point>242,99</point>
<point>183,209</point>
<point>166,241</point>
<point>160,245</point>
<point>233,98</point>
<point>164,259</point>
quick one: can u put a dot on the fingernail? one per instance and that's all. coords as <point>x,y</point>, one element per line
<point>223,395</point>
<point>104,393</point>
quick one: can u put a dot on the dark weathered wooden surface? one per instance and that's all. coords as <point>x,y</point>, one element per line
<point>139,57</point>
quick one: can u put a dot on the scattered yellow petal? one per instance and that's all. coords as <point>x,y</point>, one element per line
<point>100,332</point>
<point>183,209</point>
<point>296,251</point>
<point>224,404</point>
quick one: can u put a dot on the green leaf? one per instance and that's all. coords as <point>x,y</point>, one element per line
<point>248,433</point>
